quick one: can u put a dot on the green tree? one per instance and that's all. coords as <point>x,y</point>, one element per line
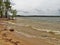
<point>8,7</point>
<point>14,13</point>
<point>1,5</point>
<point>5,7</point>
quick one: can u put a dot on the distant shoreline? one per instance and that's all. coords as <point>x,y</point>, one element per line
<point>35,16</point>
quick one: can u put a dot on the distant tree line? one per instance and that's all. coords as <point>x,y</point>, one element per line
<point>6,8</point>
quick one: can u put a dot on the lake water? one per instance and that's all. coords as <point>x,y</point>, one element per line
<point>48,23</point>
<point>49,19</point>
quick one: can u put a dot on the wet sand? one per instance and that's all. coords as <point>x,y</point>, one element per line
<point>28,32</point>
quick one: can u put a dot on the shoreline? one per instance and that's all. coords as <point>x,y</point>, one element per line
<point>25,28</point>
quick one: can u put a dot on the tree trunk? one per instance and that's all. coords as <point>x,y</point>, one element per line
<point>1,12</point>
<point>6,13</point>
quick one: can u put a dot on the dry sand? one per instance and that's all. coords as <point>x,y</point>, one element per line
<point>27,32</point>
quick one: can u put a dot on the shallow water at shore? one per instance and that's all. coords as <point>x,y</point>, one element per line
<point>31,29</point>
<point>41,22</point>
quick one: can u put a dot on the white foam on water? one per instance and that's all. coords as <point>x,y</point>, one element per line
<point>26,35</point>
<point>22,33</point>
<point>47,30</point>
<point>34,36</point>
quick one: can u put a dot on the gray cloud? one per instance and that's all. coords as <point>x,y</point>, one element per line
<point>38,6</point>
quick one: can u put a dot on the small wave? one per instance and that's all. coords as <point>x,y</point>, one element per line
<point>25,34</point>
<point>47,30</point>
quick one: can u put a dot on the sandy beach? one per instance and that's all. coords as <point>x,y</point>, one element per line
<point>28,32</point>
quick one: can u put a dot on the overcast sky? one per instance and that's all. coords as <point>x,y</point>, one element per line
<point>29,7</point>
